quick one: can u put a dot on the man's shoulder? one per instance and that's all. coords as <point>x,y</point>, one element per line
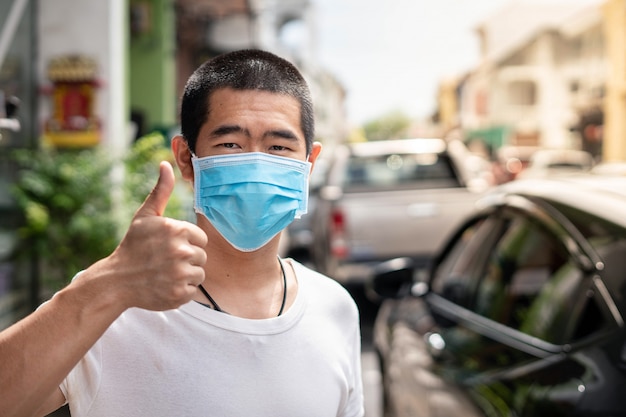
<point>326,290</point>
<point>314,278</point>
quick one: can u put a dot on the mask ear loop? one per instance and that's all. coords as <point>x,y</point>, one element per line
<point>193,154</point>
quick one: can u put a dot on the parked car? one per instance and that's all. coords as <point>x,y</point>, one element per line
<point>610,168</point>
<point>522,312</point>
<point>548,162</point>
<point>377,194</point>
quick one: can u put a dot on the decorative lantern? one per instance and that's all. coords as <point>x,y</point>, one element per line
<point>73,122</point>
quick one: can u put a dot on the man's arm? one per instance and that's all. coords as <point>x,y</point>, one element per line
<point>157,266</point>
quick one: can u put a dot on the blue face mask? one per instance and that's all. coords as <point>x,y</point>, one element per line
<point>250,197</point>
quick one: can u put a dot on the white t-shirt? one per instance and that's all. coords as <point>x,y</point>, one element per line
<point>194,361</point>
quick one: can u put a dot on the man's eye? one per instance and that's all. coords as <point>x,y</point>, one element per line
<point>278,148</point>
<point>229,145</point>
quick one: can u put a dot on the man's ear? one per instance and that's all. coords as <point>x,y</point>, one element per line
<point>182,154</point>
<point>315,152</point>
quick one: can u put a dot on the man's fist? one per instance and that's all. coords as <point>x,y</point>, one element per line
<point>160,261</point>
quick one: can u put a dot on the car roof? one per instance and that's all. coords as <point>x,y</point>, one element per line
<point>551,157</point>
<point>610,168</point>
<point>600,195</point>
<point>522,152</point>
<point>385,147</point>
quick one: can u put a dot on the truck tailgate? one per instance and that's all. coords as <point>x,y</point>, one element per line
<point>386,224</point>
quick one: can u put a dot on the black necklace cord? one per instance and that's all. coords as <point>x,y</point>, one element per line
<point>211,300</point>
<point>282,305</point>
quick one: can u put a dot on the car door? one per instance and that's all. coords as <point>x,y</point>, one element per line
<point>505,299</point>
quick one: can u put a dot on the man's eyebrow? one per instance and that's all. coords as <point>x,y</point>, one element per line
<point>281,133</point>
<point>224,130</point>
<point>228,129</point>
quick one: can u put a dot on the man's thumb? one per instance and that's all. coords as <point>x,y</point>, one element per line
<point>155,203</point>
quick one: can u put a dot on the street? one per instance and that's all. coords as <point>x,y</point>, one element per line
<point>371,382</point>
<point>372,379</point>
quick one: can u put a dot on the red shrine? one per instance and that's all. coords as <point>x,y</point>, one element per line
<point>73,122</point>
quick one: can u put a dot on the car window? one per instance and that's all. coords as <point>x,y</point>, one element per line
<point>511,269</point>
<point>398,170</point>
<point>457,275</point>
<point>530,283</point>
<point>609,241</point>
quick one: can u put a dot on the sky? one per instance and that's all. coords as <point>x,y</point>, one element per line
<point>391,55</point>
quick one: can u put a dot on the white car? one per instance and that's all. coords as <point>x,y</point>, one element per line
<point>547,162</point>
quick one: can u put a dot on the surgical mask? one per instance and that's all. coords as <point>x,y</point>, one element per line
<point>250,197</point>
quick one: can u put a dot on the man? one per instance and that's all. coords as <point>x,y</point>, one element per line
<point>206,319</point>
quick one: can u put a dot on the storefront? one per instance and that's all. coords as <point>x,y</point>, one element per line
<point>18,95</point>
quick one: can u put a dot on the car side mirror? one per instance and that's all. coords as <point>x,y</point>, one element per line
<point>391,279</point>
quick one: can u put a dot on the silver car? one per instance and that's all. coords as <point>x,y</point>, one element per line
<point>377,195</point>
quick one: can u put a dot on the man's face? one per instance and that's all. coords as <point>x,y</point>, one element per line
<point>247,121</point>
<point>252,121</point>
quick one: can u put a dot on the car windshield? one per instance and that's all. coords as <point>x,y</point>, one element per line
<point>397,170</point>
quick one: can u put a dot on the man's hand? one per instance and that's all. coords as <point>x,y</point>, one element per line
<point>160,260</point>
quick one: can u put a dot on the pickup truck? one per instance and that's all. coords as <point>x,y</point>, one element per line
<point>387,199</point>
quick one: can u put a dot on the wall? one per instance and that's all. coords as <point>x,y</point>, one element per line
<point>153,66</point>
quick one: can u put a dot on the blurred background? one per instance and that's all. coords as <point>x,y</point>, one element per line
<point>503,75</point>
<point>89,96</point>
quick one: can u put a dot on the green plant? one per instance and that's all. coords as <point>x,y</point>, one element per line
<point>142,170</point>
<point>66,200</point>
<point>393,125</point>
<point>70,218</point>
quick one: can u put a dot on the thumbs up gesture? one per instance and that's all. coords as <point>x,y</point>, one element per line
<point>160,260</point>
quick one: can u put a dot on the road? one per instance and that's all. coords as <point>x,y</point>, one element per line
<point>372,379</point>
<point>371,383</point>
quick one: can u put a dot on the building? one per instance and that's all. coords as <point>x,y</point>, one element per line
<point>613,124</point>
<point>542,74</point>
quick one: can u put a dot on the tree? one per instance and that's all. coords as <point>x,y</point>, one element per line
<point>393,125</point>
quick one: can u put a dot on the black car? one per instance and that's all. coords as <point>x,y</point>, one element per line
<point>521,313</point>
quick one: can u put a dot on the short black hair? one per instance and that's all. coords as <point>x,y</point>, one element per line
<point>248,69</point>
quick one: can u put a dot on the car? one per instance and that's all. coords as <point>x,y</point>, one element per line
<point>549,162</point>
<point>377,192</point>
<point>609,168</point>
<point>520,314</point>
